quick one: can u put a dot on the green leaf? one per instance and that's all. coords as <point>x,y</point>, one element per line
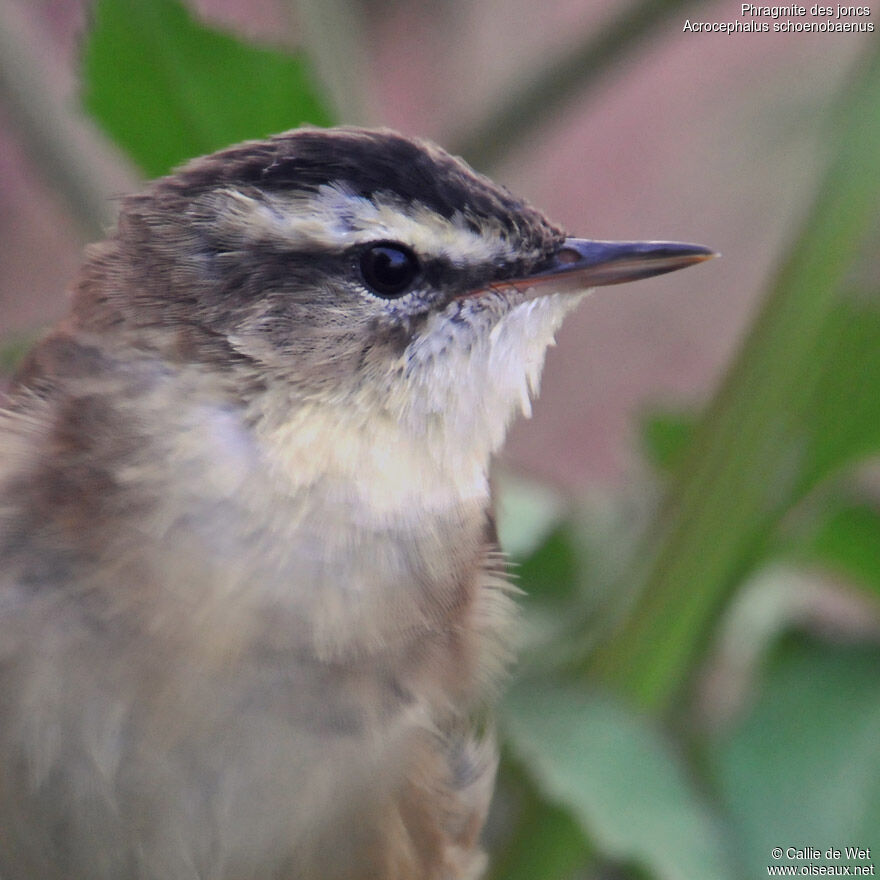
<point>526,512</point>
<point>553,571</point>
<point>167,88</point>
<point>548,845</point>
<point>804,767</point>
<point>849,542</point>
<point>614,771</point>
<point>665,437</point>
<point>841,423</point>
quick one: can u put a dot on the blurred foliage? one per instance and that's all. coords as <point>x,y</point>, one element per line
<point>803,768</point>
<point>581,748</point>
<point>665,438</point>
<point>772,473</point>
<point>537,98</point>
<point>610,767</point>
<point>848,541</point>
<point>798,405</point>
<point>167,88</point>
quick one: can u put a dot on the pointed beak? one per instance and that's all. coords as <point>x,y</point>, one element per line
<point>580,264</point>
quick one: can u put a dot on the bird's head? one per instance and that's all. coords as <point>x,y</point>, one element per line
<point>357,269</point>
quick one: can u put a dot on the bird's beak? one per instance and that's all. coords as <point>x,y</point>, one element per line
<point>580,264</point>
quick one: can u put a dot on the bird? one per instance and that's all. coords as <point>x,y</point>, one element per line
<point>253,611</point>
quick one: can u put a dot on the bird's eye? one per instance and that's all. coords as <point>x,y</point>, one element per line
<point>389,269</point>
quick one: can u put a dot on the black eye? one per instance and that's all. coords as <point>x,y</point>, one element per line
<point>389,268</point>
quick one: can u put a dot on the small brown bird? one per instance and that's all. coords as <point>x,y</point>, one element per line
<point>251,600</point>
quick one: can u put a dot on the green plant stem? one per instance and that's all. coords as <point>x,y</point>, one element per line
<point>570,75</point>
<point>743,468</point>
<point>334,36</point>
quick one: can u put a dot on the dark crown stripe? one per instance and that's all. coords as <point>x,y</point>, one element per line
<point>368,162</point>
